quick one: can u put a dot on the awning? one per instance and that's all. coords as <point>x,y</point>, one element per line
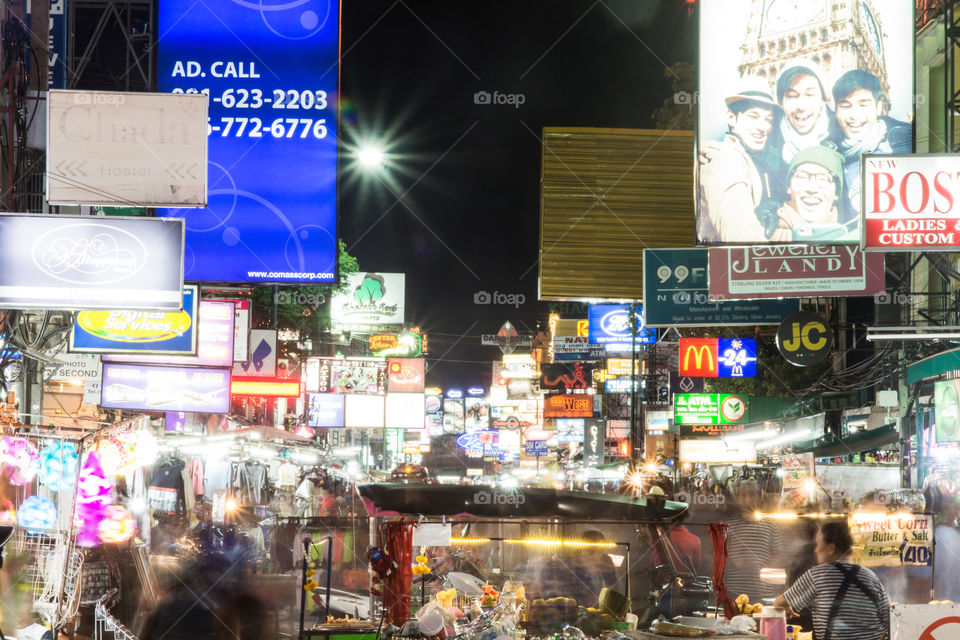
<point>864,441</point>
<point>933,366</point>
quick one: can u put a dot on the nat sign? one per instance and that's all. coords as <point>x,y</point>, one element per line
<point>568,406</point>
<point>718,357</point>
<point>910,202</point>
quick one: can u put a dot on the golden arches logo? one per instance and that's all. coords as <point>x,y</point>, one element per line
<point>699,353</point>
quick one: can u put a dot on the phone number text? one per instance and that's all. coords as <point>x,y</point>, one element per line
<point>278,128</point>
<point>255,98</point>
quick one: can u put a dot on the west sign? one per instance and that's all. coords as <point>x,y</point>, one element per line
<point>910,202</point>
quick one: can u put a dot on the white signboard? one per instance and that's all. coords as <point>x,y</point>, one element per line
<point>369,300</point>
<point>123,149</point>
<point>924,621</point>
<point>715,450</point>
<point>911,202</point>
<point>76,366</point>
<point>262,355</point>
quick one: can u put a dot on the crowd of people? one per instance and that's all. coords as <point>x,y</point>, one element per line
<point>788,169</point>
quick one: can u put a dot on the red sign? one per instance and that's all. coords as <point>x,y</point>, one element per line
<point>568,406</point>
<point>911,202</point>
<point>405,374</point>
<point>794,271</point>
<point>270,387</point>
<point>698,357</point>
<point>583,328</point>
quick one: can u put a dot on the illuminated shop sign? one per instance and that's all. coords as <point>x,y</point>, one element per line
<point>710,408</point>
<point>911,202</point>
<point>718,357</point>
<point>563,376</point>
<point>129,386</point>
<point>138,331</point>
<point>568,406</point>
<point>272,387</point>
<point>611,324</point>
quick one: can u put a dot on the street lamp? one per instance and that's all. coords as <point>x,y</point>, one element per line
<point>370,156</point>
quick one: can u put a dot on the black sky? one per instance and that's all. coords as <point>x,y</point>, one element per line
<point>470,172</point>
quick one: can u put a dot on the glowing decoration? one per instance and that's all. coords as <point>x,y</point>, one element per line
<point>37,512</point>
<point>117,525</point>
<point>19,458</point>
<point>114,456</point>
<point>58,466</point>
<point>304,430</point>
<point>140,450</point>
<point>8,515</point>
<point>93,497</point>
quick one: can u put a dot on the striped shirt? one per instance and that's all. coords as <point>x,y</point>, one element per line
<point>860,616</point>
<point>751,546</point>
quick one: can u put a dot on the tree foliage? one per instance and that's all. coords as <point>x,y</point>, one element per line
<point>303,308</point>
<point>677,110</point>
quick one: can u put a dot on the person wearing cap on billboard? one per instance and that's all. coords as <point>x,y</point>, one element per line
<point>863,129</point>
<point>735,179</point>
<point>807,117</point>
<point>815,185</point>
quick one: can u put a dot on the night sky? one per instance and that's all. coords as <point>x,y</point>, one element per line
<point>469,173</point>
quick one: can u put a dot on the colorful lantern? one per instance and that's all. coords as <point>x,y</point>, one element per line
<point>114,456</point>
<point>19,457</point>
<point>141,448</point>
<point>8,515</point>
<point>93,497</point>
<point>58,466</point>
<point>37,512</point>
<point>117,525</point>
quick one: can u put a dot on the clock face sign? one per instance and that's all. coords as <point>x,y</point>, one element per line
<point>869,23</point>
<point>782,15</point>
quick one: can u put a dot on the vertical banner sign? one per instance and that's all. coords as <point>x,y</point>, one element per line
<point>594,437</point>
<point>57,46</point>
<point>778,82</point>
<point>271,72</point>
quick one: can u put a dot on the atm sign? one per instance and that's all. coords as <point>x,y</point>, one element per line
<point>718,357</point>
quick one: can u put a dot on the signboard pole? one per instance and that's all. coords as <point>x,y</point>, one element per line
<point>635,433</point>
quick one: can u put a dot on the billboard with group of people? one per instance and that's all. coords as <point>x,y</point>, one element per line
<point>791,95</point>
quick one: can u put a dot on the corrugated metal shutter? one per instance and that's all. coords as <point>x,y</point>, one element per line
<point>606,194</point>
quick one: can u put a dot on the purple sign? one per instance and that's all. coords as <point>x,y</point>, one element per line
<point>325,410</point>
<point>214,340</point>
<point>132,386</point>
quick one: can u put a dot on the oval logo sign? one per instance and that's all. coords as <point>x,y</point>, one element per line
<point>617,323</point>
<point>89,254</point>
<point>134,326</point>
<point>803,339</point>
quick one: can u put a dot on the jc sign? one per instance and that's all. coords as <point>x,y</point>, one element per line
<point>803,339</point>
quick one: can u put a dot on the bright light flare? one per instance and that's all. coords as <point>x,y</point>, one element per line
<point>370,156</point>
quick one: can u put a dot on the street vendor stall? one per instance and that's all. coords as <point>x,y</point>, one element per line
<point>501,562</point>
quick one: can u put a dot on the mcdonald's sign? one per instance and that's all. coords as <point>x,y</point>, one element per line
<point>698,357</point>
<point>718,357</point>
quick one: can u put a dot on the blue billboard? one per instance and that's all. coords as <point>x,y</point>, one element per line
<point>270,69</point>
<point>676,293</point>
<point>138,331</point>
<point>610,325</point>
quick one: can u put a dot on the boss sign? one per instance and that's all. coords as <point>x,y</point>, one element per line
<point>911,202</point>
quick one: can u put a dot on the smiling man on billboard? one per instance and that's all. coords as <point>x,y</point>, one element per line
<point>737,176</point>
